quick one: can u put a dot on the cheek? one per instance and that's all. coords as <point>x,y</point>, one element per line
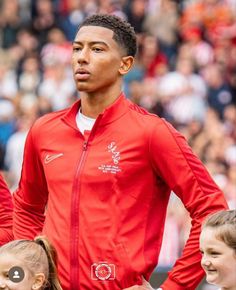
<point>26,284</point>
<point>223,266</point>
<point>229,265</point>
<point>73,61</point>
<point>107,66</point>
<point>202,263</point>
<point>14,286</point>
<point>113,71</point>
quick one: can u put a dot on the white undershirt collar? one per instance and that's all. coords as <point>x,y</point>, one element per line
<point>83,122</point>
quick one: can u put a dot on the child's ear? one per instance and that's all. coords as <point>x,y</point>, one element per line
<point>39,280</point>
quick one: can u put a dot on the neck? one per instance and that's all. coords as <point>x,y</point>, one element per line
<point>93,104</point>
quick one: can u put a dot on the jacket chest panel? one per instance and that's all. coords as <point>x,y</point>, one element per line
<point>112,169</point>
<point>59,159</point>
<point>109,167</point>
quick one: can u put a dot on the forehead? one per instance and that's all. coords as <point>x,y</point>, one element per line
<point>208,233</point>
<point>95,33</point>
<point>209,238</point>
<point>9,260</point>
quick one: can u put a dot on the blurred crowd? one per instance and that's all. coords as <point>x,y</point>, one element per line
<point>185,72</point>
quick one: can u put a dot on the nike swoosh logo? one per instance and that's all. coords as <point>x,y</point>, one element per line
<point>50,158</point>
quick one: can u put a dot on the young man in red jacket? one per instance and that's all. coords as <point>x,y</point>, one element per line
<point>6,212</point>
<point>97,177</point>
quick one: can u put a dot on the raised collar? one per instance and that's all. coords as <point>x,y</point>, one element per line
<point>110,114</point>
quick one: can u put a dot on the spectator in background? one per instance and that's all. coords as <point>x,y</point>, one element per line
<point>200,50</point>
<point>73,15</point>
<point>184,100</point>
<point>7,126</point>
<point>218,91</point>
<point>15,146</point>
<point>229,121</point>
<point>232,83</point>
<point>27,45</point>
<point>136,11</point>
<point>30,76</point>
<point>113,7</point>
<point>153,60</point>
<point>208,14</point>
<point>8,77</point>
<point>6,211</point>
<point>44,19</point>
<point>10,22</point>
<point>162,22</point>
<point>57,48</point>
<point>57,87</point>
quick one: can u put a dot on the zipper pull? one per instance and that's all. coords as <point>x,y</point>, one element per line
<point>85,145</point>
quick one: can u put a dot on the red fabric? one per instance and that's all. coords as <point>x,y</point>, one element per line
<point>107,196</point>
<point>6,209</point>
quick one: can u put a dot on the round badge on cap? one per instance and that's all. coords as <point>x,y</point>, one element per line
<point>16,274</point>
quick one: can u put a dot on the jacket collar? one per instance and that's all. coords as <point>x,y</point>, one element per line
<point>109,115</point>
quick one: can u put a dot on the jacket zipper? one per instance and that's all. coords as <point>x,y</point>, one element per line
<point>74,255</point>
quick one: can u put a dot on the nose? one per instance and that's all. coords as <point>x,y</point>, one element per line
<point>2,284</point>
<point>205,261</point>
<point>83,56</point>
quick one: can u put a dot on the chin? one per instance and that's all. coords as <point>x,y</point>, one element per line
<point>211,280</point>
<point>82,88</point>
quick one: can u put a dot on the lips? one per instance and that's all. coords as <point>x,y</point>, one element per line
<point>82,74</point>
<point>210,271</point>
<point>81,70</point>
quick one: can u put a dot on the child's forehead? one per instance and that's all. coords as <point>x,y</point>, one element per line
<point>209,231</point>
<point>208,234</point>
<point>10,259</point>
<point>211,236</point>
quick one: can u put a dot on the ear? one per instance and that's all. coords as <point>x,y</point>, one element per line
<point>126,64</point>
<point>39,280</point>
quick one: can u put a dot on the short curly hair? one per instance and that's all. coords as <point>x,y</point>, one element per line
<point>124,33</point>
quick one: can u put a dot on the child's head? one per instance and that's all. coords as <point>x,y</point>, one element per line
<point>36,261</point>
<point>218,247</point>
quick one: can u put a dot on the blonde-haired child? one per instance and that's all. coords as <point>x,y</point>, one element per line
<point>218,248</point>
<point>31,263</point>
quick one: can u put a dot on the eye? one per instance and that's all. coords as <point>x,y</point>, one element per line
<point>201,252</point>
<point>215,254</point>
<point>97,49</point>
<point>6,275</point>
<point>76,48</point>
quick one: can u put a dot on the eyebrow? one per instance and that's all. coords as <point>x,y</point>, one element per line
<point>91,43</point>
<point>212,249</point>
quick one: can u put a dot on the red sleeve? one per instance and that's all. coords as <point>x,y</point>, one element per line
<point>187,177</point>
<point>6,209</point>
<point>30,198</point>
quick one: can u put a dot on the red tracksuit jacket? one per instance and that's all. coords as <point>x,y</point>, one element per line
<point>102,199</point>
<point>6,211</point>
